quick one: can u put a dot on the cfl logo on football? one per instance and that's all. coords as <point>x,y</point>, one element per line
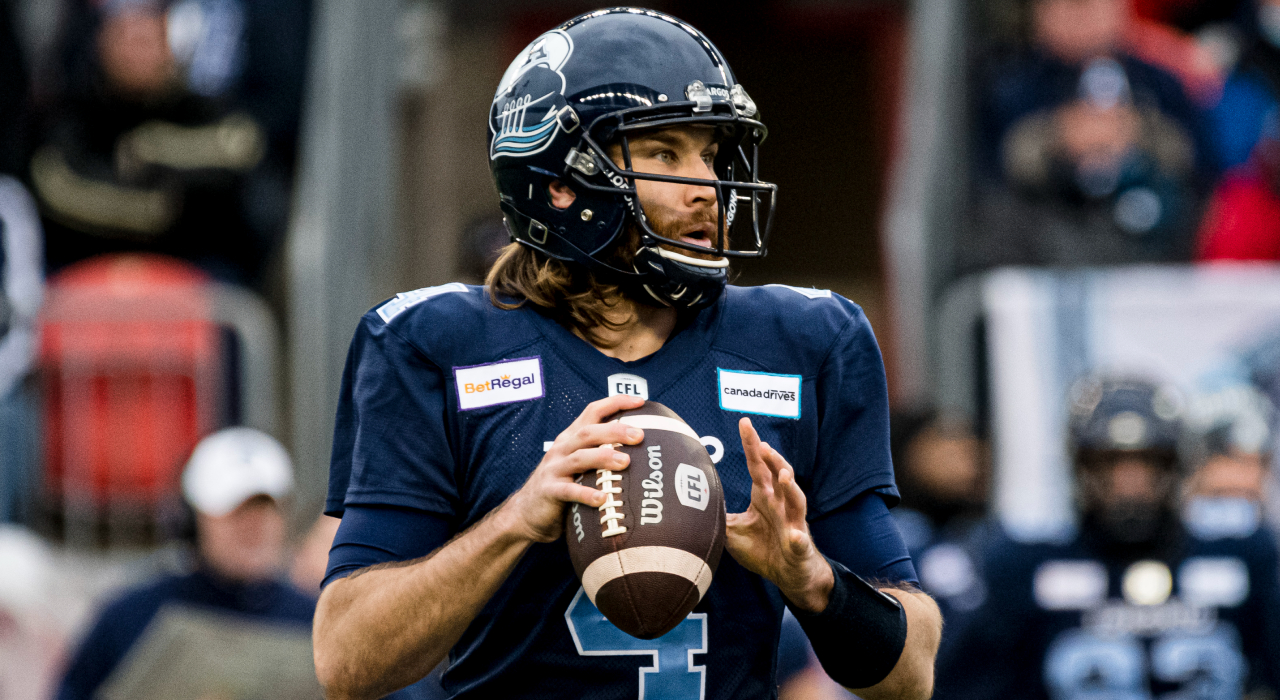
<point>692,487</point>
<point>651,507</point>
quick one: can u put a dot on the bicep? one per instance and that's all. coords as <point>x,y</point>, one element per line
<point>863,536</point>
<point>370,535</point>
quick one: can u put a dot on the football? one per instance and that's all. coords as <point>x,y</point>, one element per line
<point>647,556</point>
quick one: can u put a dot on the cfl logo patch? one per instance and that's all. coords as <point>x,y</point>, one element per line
<point>629,384</point>
<point>691,487</point>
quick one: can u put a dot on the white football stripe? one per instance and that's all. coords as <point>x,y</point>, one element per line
<point>660,423</point>
<point>664,560</point>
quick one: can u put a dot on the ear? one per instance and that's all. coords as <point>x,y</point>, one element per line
<point>561,195</point>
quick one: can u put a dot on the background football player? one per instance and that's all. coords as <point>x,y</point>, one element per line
<point>1134,606</point>
<point>624,153</point>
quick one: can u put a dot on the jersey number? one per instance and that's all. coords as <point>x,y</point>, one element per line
<point>1082,666</point>
<point>673,674</point>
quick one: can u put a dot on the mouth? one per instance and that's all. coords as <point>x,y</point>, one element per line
<point>699,236</point>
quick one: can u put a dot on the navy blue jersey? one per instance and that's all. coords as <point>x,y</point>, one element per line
<point>1067,623</point>
<point>448,404</point>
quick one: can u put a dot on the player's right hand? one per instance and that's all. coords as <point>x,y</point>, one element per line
<point>536,511</point>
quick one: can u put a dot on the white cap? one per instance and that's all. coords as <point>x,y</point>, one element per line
<point>29,570</point>
<point>233,465</point>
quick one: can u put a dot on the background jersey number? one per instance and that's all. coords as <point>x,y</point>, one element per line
<point>673,674</point>
<point>1208,665</point>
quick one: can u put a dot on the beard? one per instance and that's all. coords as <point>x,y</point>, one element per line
<point>674,226</point>
<point>1131,521</point>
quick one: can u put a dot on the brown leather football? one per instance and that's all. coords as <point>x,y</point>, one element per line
<point>646,557</point>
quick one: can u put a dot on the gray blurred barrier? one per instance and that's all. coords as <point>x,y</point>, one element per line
<point>925,189</point>
<point>188,653</point>
<point>341,246</point>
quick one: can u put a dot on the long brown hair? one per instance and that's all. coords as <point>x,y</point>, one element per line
<point>577,298</point>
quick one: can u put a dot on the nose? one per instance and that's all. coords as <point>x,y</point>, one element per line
<point>697,196</point>
<point>1133,479</point>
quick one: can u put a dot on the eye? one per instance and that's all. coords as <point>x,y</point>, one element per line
<point>665,156</point>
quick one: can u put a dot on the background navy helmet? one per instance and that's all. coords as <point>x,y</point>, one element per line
<point>1124,414</point>
<point>593,81</point>
<point>1237,419</point>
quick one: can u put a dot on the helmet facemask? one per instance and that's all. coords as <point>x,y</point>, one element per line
<point>668,271</point>
<point>598,80</point>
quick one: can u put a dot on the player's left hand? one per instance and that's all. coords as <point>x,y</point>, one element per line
<point>771,538</point>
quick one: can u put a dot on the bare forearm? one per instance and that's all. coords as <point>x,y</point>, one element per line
<point>912,677</point>
<point>382,629</point>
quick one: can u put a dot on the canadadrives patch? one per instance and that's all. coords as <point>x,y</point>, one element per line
<point>760,393</point>
<point>499,382</point>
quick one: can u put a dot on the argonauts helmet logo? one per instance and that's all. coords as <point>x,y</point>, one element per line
<point>524,117</point>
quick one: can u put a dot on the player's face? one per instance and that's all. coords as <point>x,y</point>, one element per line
<point>686,213</point>
<point>245,544</point>
<point>1127,491</point>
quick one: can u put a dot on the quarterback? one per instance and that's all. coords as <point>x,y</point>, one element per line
<point>625,157</point>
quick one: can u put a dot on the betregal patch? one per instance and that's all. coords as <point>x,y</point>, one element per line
<point>499,382</point>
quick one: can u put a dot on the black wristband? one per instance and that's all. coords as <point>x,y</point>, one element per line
<point>861,633</point>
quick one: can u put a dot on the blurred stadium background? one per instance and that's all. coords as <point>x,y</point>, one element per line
<point>200,198</point>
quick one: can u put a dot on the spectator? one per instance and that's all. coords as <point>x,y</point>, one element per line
<point>176,133</point>
<point>234,482</point>
<point>1133,606</point>
<point>1242,221</point>
<point>1067,36</point>
<point>941,468</point>
<point>1252,90</point>
<point>1088,155</point>
<point>21,291</point>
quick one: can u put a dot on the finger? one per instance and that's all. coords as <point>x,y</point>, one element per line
<point>588,436</point>
<point>773,459</point>
<point>576,493</point>
<point>588,459</point>
<point>751,448</point>
<point>598,411</point>
<point>793,498</point>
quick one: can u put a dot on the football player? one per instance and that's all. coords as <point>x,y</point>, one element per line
<point>1134,606</point>
<point>625,157</point>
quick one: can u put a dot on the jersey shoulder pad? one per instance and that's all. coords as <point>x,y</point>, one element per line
<point>452,324</point>
<point>805,322</point>
<point>405,301</point>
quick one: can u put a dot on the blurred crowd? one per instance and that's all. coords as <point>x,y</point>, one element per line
<point>147,156</point>
<point>1112,132</point>
<point>1104,132</point>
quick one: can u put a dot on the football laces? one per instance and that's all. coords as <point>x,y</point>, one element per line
<point>609,520</point>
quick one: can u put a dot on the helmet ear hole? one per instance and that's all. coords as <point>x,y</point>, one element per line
<point>558,193</point>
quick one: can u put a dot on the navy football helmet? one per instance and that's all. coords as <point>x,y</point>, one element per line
<point>1123,414</point>
<point>596,80</point>
<point>1121,418</point>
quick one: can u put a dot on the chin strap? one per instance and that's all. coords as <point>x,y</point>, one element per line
<point>641,284</point>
